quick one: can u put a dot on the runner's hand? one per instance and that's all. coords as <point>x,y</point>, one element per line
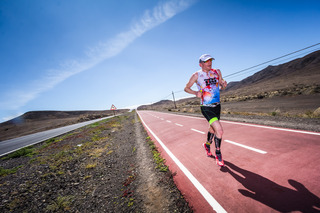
<point>199,94</point>
<point>223,84</point>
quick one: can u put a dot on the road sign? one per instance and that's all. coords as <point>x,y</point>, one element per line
<point>113,107</point>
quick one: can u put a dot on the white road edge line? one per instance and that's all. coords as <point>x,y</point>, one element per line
<point>213,203</point>
<point>247,147</point>
<point>253,125</point>
<point>178,124</point>
<point>274,128</point>
<point>168,121</point>
<point>56,135</point>
<point>198,131</point>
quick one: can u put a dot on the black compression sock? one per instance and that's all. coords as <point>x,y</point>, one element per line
<point>217,142</point>
<point>209,137</point>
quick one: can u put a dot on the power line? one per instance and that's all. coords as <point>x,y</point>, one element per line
<point>271,60</point>
<point>236,73</point>
<point>281,61</point>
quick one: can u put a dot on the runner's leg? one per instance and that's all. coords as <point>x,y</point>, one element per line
<point>217,128</point>
<point>210,134</point>
<point>217,140</point>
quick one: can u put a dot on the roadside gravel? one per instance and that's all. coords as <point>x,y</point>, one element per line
<point>103,167</point>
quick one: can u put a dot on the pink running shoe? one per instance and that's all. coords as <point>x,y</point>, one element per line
<point>207,148</point>
<point>219,160</point>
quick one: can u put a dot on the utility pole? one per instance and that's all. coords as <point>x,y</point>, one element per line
<point>174,101</point>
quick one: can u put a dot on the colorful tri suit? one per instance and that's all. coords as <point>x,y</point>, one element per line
<point>208,84</point>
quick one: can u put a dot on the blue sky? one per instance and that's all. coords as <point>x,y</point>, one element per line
<point>88,55</point>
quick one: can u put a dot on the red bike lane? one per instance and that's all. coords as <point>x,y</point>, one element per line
<point>267,169</point>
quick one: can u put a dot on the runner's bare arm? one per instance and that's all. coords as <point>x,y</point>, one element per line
<point>188,89</point>
<point>222,83</point>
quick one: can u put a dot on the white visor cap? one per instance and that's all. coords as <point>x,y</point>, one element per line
<point>205,57</point>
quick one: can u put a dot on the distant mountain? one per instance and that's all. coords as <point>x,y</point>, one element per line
<point>36,121</point>
<point>47,115</point>
<point>151,106</point>
<point>301,71</point>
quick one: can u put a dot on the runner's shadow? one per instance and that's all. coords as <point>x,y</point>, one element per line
<point>278,197</point>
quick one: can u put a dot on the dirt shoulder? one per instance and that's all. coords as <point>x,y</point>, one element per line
<point>307,124</point>
<point>104,167</point>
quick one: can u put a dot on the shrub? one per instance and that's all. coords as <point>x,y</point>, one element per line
<point>4,172</point>
<point>26,151</point>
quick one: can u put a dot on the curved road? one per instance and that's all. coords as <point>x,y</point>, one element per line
<point>12,145</point>
<point>267,169</point>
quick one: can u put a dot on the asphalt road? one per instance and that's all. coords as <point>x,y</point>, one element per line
<point>267,169</point>
<point>12,145</point>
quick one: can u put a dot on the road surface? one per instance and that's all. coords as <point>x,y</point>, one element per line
<point>267,169</point>
<point>12,145</point>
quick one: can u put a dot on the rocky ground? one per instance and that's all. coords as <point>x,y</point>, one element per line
<point>111,166</point>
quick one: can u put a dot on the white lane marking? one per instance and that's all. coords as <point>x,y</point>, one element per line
<point>198,131</point>
<point>212,202</point>
<point>168,121</point>
<point>247,147</point>
<point>252,125</point>
<point>237,144</point>
<point>178,124</point>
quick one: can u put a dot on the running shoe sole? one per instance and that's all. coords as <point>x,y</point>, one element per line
<point>219,163</point>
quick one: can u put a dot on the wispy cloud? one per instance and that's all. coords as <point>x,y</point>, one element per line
<point>102,51</point>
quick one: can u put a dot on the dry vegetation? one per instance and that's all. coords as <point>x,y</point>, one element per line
<point>93,169</point>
